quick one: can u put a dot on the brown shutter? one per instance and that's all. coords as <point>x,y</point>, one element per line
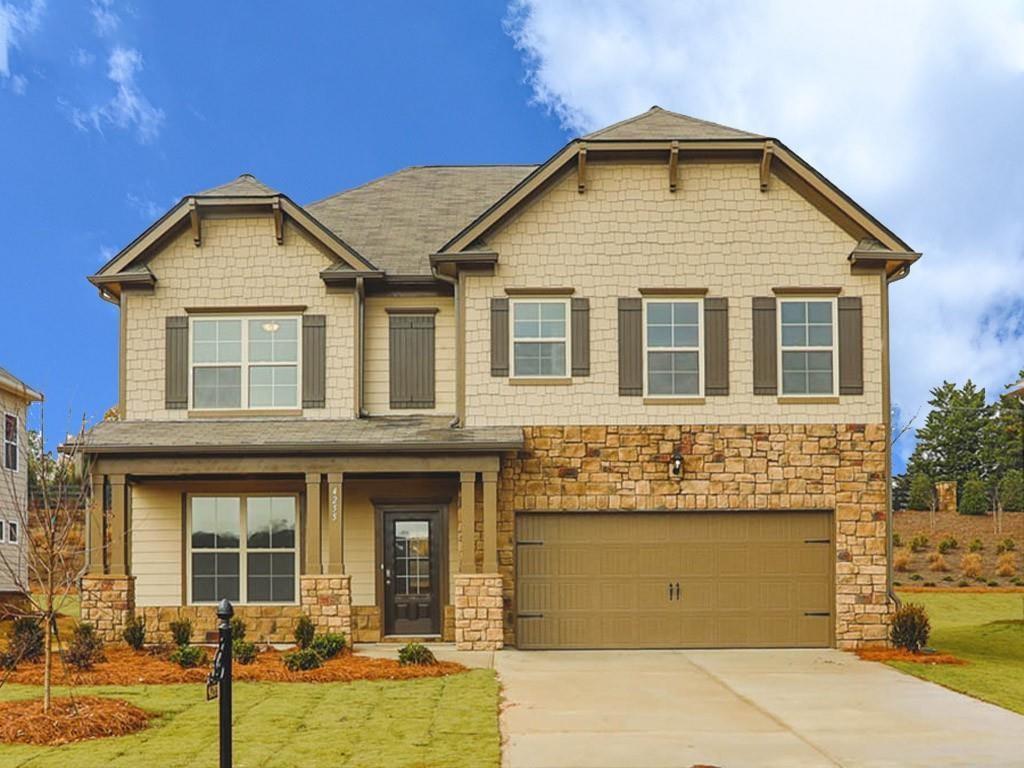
<point>851,346</point>
<point>766,359</point>
<point>176,363</point>
<point>716,346</point>
<point>631,348</point>
<point>314,361</point>
<point>581,337</point>
<point>499,337</point>
<point>411,360</point>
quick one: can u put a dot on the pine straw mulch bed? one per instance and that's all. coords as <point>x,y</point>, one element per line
<point>127,667</point>
<point>70,719</point>
<point>981,589</point>
<point>902,654</point>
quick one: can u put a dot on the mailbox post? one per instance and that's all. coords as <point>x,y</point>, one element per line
<point>219,682</point>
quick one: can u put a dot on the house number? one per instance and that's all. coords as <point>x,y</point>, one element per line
<point>334,504</point>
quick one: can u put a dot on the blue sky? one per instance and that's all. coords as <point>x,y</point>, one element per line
<point>110,111</point>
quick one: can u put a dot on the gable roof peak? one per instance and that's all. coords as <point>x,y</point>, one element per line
<point>246,185</point>
<point>660,123</point>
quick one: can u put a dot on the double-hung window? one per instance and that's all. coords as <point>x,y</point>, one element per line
<point>807,352</point>
<point>12,532</point>
<point>540,338</point>
<point>10,442</point>
<point>243,548</point>
<point>245,362</point>
<point>673,351</point>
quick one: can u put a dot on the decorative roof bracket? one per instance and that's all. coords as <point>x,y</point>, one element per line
<point>278,221</point>
<point>766,164</point>
<point>673,167</point>
<point>581,169</point>
<point>193,213</point>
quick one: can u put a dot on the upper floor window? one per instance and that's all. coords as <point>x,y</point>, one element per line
<point>245,362</point>
<point>807,330</point>
<point>540,337</point>
<point>673,365</point>
<point>12,532</point>
<point>10,442</point>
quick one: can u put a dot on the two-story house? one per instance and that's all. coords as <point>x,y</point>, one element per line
<point>15,399</point>
<point>634,396</point>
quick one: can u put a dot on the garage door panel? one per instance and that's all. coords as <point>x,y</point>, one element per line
<point>746,579</point>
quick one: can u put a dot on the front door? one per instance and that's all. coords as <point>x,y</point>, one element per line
<point>412,600</point>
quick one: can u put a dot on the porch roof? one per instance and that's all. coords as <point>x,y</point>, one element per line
<point>267,436</point>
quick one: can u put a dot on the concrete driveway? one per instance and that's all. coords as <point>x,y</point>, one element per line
<point>655,709</point>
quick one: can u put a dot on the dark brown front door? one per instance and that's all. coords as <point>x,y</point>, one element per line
<point>411,573</point>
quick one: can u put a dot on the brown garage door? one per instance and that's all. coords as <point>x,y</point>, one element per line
<point>674,580</point>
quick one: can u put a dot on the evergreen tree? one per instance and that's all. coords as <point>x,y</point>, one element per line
<point>974,498</point>
<point>921,496</point>
<point>1011,491</point>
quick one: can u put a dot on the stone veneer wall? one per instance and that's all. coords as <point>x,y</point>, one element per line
<point>726,467</point>
<point>327,600</point>
<point>107,603</point>
<point>478,612</point>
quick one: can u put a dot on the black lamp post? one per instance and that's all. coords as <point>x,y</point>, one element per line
<point>222,673</point>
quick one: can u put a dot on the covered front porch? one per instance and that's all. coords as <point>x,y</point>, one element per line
<point>379,541</point>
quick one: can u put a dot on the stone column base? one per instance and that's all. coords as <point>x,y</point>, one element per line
<point>327,600</point>
<point>479,622</point>
<point>107,603</point>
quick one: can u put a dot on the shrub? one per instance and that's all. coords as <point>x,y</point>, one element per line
<point>27,639</point>
<point>85,648</point>
<point>8,661</point>
<point>897,583</point>
<point>1011,491</point>
<point>916,577</point>
<point>919,543</point>
<point>922,492</point>
<point>181,631</point>
<point>963,583</point>
<point>1006,545</point>
<point>974,500</point>
<point>328,645</point>
<point>1019,582</point>
<point>976,546</point>
<point>938,563</point>
<point>135,632</point>
<point>188,656</point>
<point>237,629</point>
<point>302,659</point>
<point>1006,565</point>
<point>948,544</point>
<point>304,632</point>
<point>910,627</point>
<point>993,583</point>
<point>970,566</point>
<point>929,584</point>
<point>243,651</point>
<point>897,540</point>
<point>901,562</point>
<point>947,578</point>
<point>415,653</point>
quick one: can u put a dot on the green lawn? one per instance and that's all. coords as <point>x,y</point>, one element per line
<point>435,722</point>
<point>985,629</point>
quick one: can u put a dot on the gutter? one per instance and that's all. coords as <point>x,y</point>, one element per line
<point>306,449</point>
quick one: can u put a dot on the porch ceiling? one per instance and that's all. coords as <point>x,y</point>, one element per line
<point>390,434</point>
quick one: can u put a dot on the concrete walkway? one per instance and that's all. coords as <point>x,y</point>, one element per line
<point>662,709</point>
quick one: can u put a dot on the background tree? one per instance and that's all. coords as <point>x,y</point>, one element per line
<point>921,495</point>
<point>1011,491</point>
<point>974,500</point>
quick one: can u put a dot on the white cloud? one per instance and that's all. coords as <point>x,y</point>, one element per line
<point>908,106</point>
<point>16,23</point>
<point>145,207</point>
<point>80,57</point>
<point>128,108</point>
<point>105,19</point>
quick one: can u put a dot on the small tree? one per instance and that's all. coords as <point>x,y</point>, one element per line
<point>922,492</point>
<point>1011,491</point>
<point>974,500</point>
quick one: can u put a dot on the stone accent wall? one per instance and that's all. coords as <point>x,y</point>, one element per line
<point>327,600</point>
<point>366,624</point>
<point>263,624</point>
<point>478,612</point>
<point>107,603</point>
<point>740,467</point>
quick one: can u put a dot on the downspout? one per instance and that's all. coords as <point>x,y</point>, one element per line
<point>886,281</point>
<point>459,382</point>
<point>360,296</point>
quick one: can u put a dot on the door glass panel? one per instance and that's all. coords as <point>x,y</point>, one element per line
<point>412,557</point>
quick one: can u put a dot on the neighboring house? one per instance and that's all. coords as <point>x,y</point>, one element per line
<point>15,398</point>
<point>635,396</point>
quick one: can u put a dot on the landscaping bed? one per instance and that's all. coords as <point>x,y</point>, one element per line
<point>901,654</point>
<point>124,666</point>
<point>70,719</point>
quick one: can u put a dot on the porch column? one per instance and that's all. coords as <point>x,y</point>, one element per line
<point>118,525</point>
<point>490,522</point>
<point>467,521</point>
<point>335,524</point>
<point>94,538</point>
<point>314,554</point>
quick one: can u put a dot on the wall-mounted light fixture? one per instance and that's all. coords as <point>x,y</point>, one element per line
<point>677,463</point>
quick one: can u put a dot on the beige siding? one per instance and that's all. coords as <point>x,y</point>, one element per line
<point>626,232</point>
<point>156,544</point>
<point>377,381</point>
<point>238,264</point>
<point>13,500</point>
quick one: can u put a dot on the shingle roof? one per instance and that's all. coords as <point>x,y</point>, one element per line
<point>11,383</point>
<point>658,123</point>
<point>244,186</point>
<point>384,434</point>
<point>398,220</point>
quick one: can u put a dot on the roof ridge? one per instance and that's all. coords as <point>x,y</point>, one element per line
<point>702,120</point>
<point>627,121</point>
<point>656,110</point>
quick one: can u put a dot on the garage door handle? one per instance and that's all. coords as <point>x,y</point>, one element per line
<point>677,590</point>
<point>530,615</point>
<point>817,613</point>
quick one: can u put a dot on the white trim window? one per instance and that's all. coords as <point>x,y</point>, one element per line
<point>244,362</point>
<point>243,548</point>
<point>11,434</point>
<point>673,348</point>
<point>3,532</point>
<point>12,532</point>
<point>540,338</point>
<point>807,347</point>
